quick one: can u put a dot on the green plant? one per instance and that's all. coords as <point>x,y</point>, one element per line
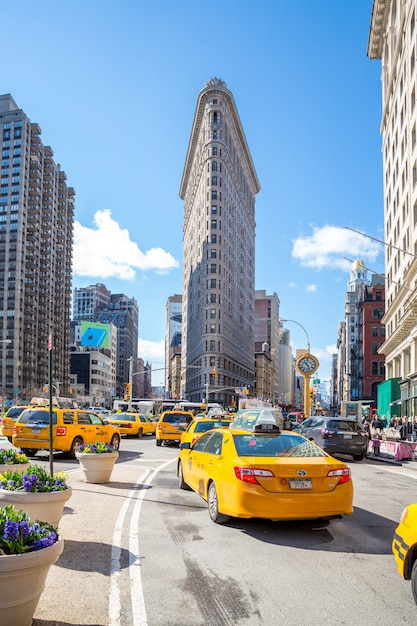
<point>12,457</point>
<point>36,478</point>
<point>96,448</point>
<point>18,534</point>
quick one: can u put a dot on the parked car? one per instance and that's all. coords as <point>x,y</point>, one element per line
<point>336,435</point>
<point>404,547</point>
<point>258,470</point>
<point>171,425</point>
<point>132,424</point>
<point>100,410</point>
<point>70,428</point>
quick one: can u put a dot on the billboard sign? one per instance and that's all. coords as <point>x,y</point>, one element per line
<point>95,335</point>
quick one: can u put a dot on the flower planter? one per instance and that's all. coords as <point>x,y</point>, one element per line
<point>22,580</point>
<point>47,506</point>
<point>97,468</point>
<point>15,467</point>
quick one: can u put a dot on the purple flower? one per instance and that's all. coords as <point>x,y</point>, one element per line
<point>11,531</point>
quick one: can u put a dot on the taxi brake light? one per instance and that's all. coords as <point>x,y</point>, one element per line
<point>249,475</point>
<point>15,429</point>
<point>159,426</point>
<point>3,422</point>
<point>343,473</point>
<point>61,431</point>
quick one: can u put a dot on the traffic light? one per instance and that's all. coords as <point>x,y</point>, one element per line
<point>127,392</point>
<point>311,394</point>
<point>214,372</point>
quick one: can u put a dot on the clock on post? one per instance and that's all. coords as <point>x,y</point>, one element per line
<point>307,363</point>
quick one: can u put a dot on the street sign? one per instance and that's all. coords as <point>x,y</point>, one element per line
<point>316,381</point>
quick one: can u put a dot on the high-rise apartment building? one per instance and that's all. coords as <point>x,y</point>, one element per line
<point>96,303</point>
<point>36,231</point>
<point>393,40</point>
<point>218,188</point>
<point>268,331</point>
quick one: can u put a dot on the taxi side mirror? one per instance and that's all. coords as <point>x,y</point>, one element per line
<point>185,446</point>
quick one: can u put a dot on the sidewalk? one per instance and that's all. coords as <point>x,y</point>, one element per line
<point>78,587</point>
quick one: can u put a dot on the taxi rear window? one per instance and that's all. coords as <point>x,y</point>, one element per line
<point>36,417</point>
<point>176,418</point>
<point>14,413</point>
<point>202,427</point>
<point>282,445</point>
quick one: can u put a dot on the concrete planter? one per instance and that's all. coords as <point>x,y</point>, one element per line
<point>15,467</point>
<point>46,506</point>
<point>22,581</point>
<point>97,468</point>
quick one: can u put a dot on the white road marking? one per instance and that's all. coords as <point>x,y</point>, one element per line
<point>136,593</point>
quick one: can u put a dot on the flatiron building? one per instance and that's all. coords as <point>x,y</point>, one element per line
<point>218,189</point>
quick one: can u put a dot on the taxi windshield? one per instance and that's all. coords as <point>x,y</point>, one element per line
<point>253,444</point>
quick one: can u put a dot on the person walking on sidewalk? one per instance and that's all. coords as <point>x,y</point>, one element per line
<point>376,443</point>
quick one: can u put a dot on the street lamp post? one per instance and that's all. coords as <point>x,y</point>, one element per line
<point>306,365</point>
<point>301,326</point>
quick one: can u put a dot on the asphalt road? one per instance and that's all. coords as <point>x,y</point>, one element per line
<point>139,551</point>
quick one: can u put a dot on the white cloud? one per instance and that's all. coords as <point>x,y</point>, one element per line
<point>151,350</point>
<point>327,246</point>
<point>311,287</point>
<point>106,251</point>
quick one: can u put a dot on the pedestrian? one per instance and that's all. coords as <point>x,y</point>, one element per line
<point>376,444</point>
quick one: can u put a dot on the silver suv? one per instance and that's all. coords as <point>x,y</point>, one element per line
<point>336,435</point>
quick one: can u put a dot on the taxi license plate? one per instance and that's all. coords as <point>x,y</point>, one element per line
<point>295,483</point>
<point>347,436</point>
<point>36,431</point>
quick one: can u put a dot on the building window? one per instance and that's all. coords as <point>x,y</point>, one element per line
<point>213,268</point>
<point>214,195</point>
<point>213,313</point>
<point>213,224</point>
<point>212,345</point>
<point>382,368</point>
<point>214,180</point>
<point>214,166</point>
<point>382,330</point>
<point>214,151</point>
<point>213,253</point>
<point>214,239</point>
<point>374,348</point>
<point>374,331</point>
<point>374,368</point>
<point>378,314</point>
<point>213,283</point>
<point>212,298</point>
<point>213,209</point>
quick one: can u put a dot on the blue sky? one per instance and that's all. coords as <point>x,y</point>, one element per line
<point>114,87</point>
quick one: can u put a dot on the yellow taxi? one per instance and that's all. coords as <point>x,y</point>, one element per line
<point>70,428</point>
<point>9,419</point>
<point>201,425</point>
<point>171,425</point>
<point>132,424</point>
<point>404,546</point>
<point>266,473</point>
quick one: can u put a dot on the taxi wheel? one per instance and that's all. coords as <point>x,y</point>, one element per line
<point>158,442</point>
<point>140,432</point>
<point>29,451</point>
<point>181,483</point>
<point>74,447</point>
<point>115,441</point>
<point>213,506</point>
<point>414,581</point>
